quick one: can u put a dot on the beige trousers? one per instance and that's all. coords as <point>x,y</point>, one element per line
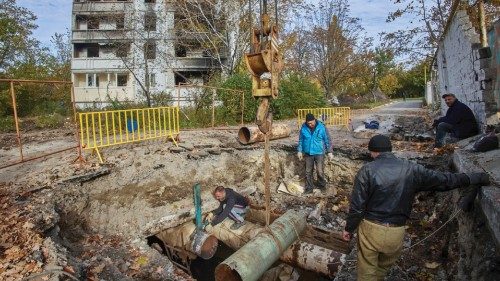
<point>379,247</point>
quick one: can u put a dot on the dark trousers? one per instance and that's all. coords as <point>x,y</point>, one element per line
<point>319,160</point>
<point>443,131</point>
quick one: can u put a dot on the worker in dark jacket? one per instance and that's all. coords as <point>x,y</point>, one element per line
<point>232,205</point>
<point>459,121</point>
<point>381,202</point>
<point>314,142</point>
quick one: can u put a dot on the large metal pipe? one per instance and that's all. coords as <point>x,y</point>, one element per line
<point>256,256</point>
<point>186,237</point>
<point>300,254</point>
<point>252,134</point>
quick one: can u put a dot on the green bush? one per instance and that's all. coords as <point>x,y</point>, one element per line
<point>296,92</point>
<point>54,120</point>
<point>7,124</point>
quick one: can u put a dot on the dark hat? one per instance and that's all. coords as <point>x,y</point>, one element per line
<point>309,117</point>
<point>380,143</point>
<point>448,95</point>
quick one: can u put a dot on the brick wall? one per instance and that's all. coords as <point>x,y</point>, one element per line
<point>465,69</point>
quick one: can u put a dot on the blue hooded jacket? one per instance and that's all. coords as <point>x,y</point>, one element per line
<point>316,142</point>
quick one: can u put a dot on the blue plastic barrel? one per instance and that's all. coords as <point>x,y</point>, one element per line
<point>131,125</point>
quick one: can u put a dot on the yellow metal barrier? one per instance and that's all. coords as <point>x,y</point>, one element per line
<point>333,116</point>
<point>108,128</point>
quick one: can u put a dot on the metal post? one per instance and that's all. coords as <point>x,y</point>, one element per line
<point>18,133</point>
<point>77,130</point>
<point>482,24</point>
<point>213,108</point>
<point>242,108</point>
<point>178,97</point>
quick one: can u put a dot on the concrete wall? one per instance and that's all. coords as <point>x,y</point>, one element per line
<point>494,43</point>
<point>464,69</point>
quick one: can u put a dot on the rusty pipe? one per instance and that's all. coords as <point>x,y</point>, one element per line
<point>187,238</point>
<point>252,134</point>
<point>256,256</point>
<point>300,254</point>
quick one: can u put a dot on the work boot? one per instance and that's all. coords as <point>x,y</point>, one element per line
<point>308,191</point>
<point>236,225</point>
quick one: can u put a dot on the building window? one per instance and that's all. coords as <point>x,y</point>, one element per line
<point>92,23</point>
<point>92,80</point>
<point>120,22</point>
<point>152,80</point>
<point>150,50</point>
<point>93,51</point>
<point>149,1</point>
<point>121,80</point>
<point>150,22</point>
<point>122,50</point>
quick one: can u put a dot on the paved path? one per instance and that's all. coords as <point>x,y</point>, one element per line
<point>409,104</point>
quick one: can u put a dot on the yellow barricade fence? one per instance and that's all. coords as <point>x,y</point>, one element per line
<point>333,116</point>
<point>107,128</point>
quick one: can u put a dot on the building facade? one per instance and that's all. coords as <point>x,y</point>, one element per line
<point>131,51</point>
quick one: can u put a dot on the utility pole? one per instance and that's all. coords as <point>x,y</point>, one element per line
<point>482,24</point>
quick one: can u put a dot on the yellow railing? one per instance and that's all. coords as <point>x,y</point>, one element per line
<point>333,116</point>
<point>107,128</point>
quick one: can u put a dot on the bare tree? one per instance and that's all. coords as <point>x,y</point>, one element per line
<point>336,44</point>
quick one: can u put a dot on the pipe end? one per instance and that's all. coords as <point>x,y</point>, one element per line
<point>244,135</point>
<point>224,272</point>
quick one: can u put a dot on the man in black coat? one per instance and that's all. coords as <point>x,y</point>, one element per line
<point>381,203</point>
<point>459,121</point>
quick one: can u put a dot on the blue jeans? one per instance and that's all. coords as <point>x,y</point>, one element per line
<point>319,160</point>
<point>237,213</point>
<point>444,134</point>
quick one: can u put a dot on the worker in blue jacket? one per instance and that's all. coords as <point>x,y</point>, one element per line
<point>314,142</point>
<point>458,123</point>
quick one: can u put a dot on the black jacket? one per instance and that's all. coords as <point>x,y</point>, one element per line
<point>461,117</point>
<point>385,188</point>
<point>232,198</point>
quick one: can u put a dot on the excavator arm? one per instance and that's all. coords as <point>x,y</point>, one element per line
<point>264,62</point>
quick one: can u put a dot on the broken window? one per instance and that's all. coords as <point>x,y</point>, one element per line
<point>149,1</point>
<point>93,51</point>
<point>120,22</point>
<point>179,78</point>
<point>180,51</point>
<point>150,50</point>
<point>92,23</point>
<point>122,50</point>
<point>121,80</point>
<point>150,22</point>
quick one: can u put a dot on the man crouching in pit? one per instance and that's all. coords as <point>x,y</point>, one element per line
<point>232,205</point>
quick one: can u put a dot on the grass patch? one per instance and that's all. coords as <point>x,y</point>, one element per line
<point>49,121</point>
<point>7,124</point>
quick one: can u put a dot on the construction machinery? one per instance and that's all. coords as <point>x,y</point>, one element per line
<point>264,62</point>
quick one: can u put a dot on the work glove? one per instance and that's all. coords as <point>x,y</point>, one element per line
<point>208,228</point>
<point>300,155</point>
<point>208,217</point>
<point>480,179</point>
<point>330,156</point>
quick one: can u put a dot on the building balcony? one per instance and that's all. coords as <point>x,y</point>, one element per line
<point>195,63</point>
<point>95,64</point>
<point>103,94</point>
<point>101,7</point>
<point>98,35</point>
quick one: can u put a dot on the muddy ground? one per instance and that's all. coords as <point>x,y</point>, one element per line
<point>89,221</point>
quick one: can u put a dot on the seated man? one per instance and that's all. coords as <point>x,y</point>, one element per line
<point>459,122</point>
<point>232,205</point>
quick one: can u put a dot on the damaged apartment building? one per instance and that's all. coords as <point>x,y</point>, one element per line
<point>127,50</point>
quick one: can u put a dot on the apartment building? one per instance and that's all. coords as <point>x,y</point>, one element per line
<point>125,50</point>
